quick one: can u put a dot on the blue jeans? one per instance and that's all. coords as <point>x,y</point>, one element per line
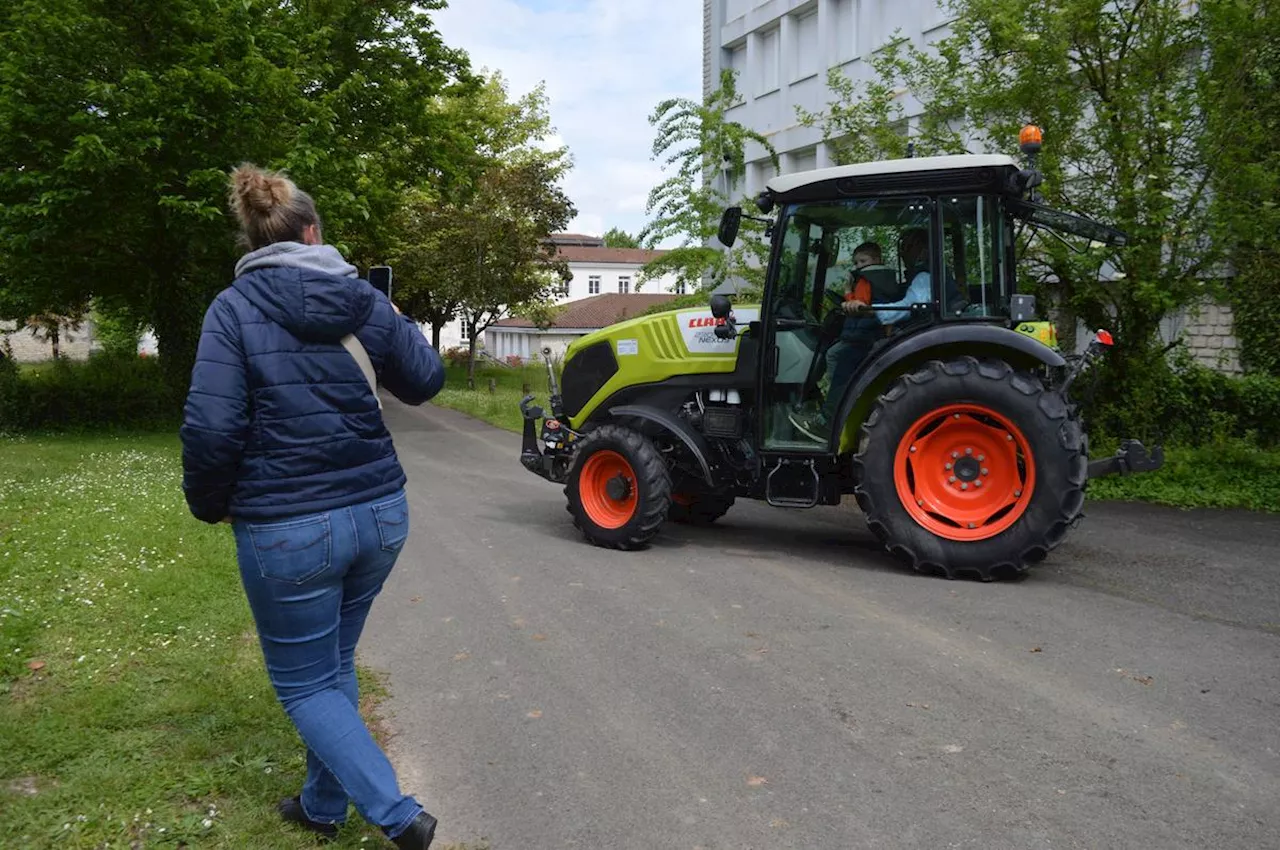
<point>843,358</point>
<point>310,581</point>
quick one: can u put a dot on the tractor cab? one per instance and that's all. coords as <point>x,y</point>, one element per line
<point>866,256</point>
<point>891,358</point>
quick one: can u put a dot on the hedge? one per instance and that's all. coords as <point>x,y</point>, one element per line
<point>103,392</point>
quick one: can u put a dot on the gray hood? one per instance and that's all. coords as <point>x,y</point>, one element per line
<point>308,289</point>
<point>294,255</point>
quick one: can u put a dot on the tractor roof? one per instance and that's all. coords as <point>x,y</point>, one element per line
<point>871,174</point>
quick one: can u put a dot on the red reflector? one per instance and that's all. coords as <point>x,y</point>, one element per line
<point>1104,337</point>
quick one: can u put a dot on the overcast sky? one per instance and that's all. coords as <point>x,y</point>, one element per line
<point>606,64</point>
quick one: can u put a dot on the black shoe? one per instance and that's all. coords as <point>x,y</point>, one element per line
<point>419,834</point>
<point>291,810</point>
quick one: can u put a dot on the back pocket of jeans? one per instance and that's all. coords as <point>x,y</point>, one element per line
<point>393,523</point>
<point>294,550</point>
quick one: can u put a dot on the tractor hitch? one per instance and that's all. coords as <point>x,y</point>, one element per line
<point>1131,457</point>
<point>556,436</point>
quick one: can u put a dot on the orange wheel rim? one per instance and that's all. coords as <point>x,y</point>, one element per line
<point>964,472</point>
<point>607,487</point>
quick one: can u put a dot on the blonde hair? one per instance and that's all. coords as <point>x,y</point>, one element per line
<point>269,206</point>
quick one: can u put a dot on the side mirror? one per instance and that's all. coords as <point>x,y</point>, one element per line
<point>730,221</point>
<point>721,307</point>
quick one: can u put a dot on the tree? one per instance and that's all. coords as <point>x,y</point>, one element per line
<point>1242,100</point>
<point>121,120</point>
<point>708,152</point>
<point>478,249</point>
<point>616,237</point>
<point>505,263</point>
<point>1116,87</point>
<point>49,327</point>
<point>497,130</point>
<point>429,286</point>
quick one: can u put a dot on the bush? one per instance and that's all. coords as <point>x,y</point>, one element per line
<point>104,392</point>
<point>1191,405</point>
<point>515,361</point>
<point>459,355</point>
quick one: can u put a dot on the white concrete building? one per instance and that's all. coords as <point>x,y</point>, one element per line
<point>597,270</point>
<point>782,51</point>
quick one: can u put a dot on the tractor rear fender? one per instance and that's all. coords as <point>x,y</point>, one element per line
<point>654,421</point>
<point>939,342</point>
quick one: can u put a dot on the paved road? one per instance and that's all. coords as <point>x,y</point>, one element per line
<point>776,682</point>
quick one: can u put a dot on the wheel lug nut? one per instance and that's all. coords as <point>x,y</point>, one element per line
<point>981,458</point>
<point>913,448</point>
<point>964,486</point>
<point>978,483</point>
<point>968,451</point>
<point>955,415</point>
<point>951,480</point>
<point>947,467</point>
<point>955,455</point>
<point>971,525</point>
<point>920,502</point>
<point>986,471</point>
<point>1009,437</point>
<point>1017,493</point>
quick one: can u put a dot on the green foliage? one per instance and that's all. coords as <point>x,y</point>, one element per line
<point>1224,474</point>
<point>123,118</point>
<point>478,250</point>
<point>699,300</point>
<point>102,392</point>
<point>616,237</point>
<point>1188,405</point>
<point>1242,96</point>
<point>708,152</point>
<point>117,329</point>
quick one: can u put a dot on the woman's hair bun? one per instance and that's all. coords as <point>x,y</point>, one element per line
<point>269,206</point>
<point>254,190</point>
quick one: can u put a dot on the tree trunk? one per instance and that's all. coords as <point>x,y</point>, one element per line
<point>471,357</point>
<point>436,327</point>
<point>176,320</point>
<point>55,340</point>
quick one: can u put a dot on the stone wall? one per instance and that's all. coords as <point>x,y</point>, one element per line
<point>1206,332</point>
<point>75,345</point>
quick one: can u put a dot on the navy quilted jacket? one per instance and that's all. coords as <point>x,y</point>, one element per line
<point>280,420</point>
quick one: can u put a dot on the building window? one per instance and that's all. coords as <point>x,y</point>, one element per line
<point>466,328</point>
<point>807,52</point>
<point>593,284</point>
<point>679,287</point>
<point>624,285</point>
<point>769,45</point>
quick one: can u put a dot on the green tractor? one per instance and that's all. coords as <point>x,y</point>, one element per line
<point>890,358</point>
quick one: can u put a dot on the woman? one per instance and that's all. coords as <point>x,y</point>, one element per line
<point>283,437</point>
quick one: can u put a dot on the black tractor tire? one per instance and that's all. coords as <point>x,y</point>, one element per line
<point>887,477</point>
<point>700,508</point>
<point>623,523</point>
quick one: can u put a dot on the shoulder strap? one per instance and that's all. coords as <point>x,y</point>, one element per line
<point>351,344</point>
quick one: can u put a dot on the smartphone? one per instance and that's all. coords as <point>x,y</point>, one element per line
<point>380,279</point>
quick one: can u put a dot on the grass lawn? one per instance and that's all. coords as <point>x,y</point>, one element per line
<point>1231,475</point>
<point>501,407</point>
<point>134,707</point>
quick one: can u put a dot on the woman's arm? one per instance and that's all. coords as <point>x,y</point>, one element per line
<point>215,424</point>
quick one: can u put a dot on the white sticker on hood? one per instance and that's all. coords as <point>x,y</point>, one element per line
<point>698,327</point>
<point>628,346</point>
